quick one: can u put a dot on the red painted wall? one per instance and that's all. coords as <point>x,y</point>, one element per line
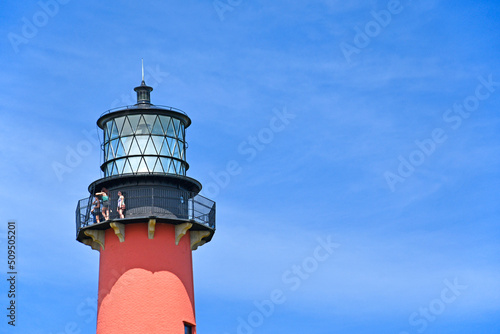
<point>145,285</point>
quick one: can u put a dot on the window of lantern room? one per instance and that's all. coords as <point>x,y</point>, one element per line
<point>144,143</point>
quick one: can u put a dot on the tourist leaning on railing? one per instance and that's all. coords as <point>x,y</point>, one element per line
<point>105,202</point>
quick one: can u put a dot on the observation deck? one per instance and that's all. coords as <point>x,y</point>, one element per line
<point>144,157</point>
<point>162,203</point>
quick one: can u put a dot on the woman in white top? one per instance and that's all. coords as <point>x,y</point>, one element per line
<point>121,204</point>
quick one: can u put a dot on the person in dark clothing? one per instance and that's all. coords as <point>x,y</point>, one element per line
<point>96,210</point>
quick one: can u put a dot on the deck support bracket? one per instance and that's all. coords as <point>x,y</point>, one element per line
<point>97,242</point>
<point>119,230</point>
<point>181,230</point>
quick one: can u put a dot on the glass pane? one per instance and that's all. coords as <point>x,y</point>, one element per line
<point>170,130</point>
<point>142,127</point>
<point>107,172</point>
<point>127,142</point>
<point>114,171</point>
<point>158,167</point>
<point>134,163</point>
<point>164,149</point>
<point>157,129</point>
<point>108,153</point>
<point>119,165</point>
<point>114,144</point>
<point>109,124</point>
<point>170,142</point>
<point>127,129</point>
<point>119,123</point>
<point>157,140</point>
<point>127,169</point>
<point>150,119</point>
<point>114,131</point>
<point>134,119</point>
<point>106,148</point>
<point>150,162</point>
<point>177,165</point>
<point>142,141</point>
<point>165,163</point>
<point>171,169</point>
<point>181,149</point>
<point>177,125</point>
<point>134,149</point>
<point>181,132</point>
<point>150,148</point>
<point>110,150</point>
<point>164,122</point>
<point>120,150</point>
<point>177,153</point>
<point>143,168</point>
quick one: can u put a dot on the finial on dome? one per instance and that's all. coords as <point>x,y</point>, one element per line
<point>142,63</point>
<point>143,91</point>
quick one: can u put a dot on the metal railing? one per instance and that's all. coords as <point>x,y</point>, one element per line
<point>151,106</point>
<point>161,202</point>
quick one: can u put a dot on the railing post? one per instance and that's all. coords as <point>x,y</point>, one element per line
<point>191,208</point>
<point>152,201</point>
<point>89,207</point>
<point>77,218</point>
<point>211,217</point>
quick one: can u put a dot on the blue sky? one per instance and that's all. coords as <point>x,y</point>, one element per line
<point>369,125</point>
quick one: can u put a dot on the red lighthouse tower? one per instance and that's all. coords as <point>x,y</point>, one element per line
<point>146,219</point>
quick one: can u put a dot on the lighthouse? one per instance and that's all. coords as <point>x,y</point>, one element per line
<point>145,217</point>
